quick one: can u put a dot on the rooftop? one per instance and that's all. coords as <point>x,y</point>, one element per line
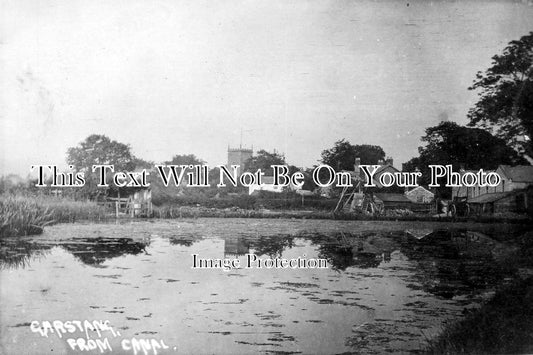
<point>390,197</point>
<point>519,173</point>
<point>488,198</point>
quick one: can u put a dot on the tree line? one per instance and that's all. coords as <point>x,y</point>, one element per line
<point>499,131</point>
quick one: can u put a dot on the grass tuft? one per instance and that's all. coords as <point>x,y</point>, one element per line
<point>27,215</point>
<point>504,325</point>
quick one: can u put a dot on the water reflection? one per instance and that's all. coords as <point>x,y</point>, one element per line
<point>95,251</point>
<point>363,250</point>
<point>272,246</point>
<point>235,247</point>
<point>19,252</point>
<point>455,262</point>
<point>382,289</point>
<point>339,255</point>
<point>184,240</point>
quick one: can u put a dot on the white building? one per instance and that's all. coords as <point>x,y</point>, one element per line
<point>267,185</point>
<point>420,195</point>
<point>513,178</point>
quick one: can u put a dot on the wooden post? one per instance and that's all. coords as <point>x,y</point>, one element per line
<point>340,199</point>
<point>116,209</point>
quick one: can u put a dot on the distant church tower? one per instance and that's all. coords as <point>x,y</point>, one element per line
<point>238,156</point>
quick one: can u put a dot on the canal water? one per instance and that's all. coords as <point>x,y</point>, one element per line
<point>388,286</point>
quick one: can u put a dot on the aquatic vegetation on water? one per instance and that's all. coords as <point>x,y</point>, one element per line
<point>387,289</point>
<point>22,216</point>
<point>27,215</point>
<point>19,252</point>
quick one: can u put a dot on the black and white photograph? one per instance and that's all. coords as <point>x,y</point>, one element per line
<point>266,177</point>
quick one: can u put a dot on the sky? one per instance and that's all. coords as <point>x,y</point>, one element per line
<point>192,77</point>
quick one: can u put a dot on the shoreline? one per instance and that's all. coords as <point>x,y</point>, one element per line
<point>28,215</point>
<point>203,212</point>
<point>472,333</point>
<point>502,325</point>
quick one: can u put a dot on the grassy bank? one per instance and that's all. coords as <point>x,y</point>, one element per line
<point>26,215</point>
<point>173,211</point>
<point>504,325</point>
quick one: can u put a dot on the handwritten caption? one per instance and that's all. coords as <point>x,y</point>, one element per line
<point>94,335</point>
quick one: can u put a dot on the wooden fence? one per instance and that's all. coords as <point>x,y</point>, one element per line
<point>127,206</point>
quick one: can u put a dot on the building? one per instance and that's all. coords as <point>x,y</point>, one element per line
<point>511,195</point>
<point>140,203</point>
<point>238,156</point>
<point>373,199</point>
<point>385,167</point>
<point>267,185</point>
<point>513,178</point>
<point>497,202</point>
<point>391,201</point>
<point>420,195</point>
<point>469,192</point>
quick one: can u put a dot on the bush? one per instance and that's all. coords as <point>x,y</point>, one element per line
<point>262,200</point>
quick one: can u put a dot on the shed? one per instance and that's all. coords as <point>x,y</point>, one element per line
<point>510,201</point>
<point>420,195</point>
<point>392,200</point>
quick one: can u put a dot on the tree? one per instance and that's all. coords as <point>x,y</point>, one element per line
<point>462,147</point>
<point>99,150</point>
<point>185,159</point>
<point>11,183</point>
<point>505,106</point>
<point>264,160</point>
<point>167,193</point>
<point>309,183</point>
<point>140,163</point>
<point>342,155</point>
